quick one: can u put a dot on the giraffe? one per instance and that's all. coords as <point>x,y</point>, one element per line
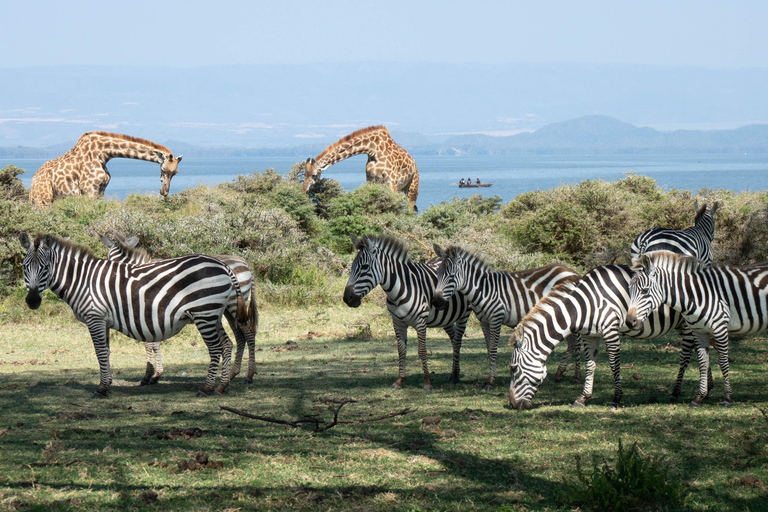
<point>83,169</point>
<point>388,163</point>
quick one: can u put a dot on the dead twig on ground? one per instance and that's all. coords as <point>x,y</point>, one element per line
<point>319,424</point>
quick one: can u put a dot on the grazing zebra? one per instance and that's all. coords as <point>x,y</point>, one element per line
<point>148,302</point>
<point>715,300</point>
<point>695,241</point>
<point>383,260</point>
<point>126,250</point>
<point>497,298</point>
<point>594,307</point>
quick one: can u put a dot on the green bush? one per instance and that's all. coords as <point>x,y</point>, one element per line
<point>633,482</point>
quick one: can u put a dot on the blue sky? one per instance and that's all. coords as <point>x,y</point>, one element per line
<point>715,34</point>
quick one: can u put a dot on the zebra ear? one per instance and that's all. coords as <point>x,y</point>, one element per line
<point>518,335</point>
<point>48,240</point>
<point>354,239</point>
<point>646,264</point>
<point>24,239</point>
<point>133,241</point>
<point>108,243</point>
<point>714,208</point>
<point>439,251</point>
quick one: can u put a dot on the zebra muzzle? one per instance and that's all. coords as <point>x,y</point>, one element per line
<point>34,299</point>
<point>438,302</point>
<point>350,299</point>
<point>632,318</point>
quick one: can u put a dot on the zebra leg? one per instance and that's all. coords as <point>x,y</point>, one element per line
<point>401,333</point>
<point>209,330</point>
<point>688,342</point>
<point>721,343</point>
<point>590,353</point>
<point>150,370</point>
<point>250,340</point>
<point>613,348</point>
<point>491,331</point>
<point>563,366</point>
<point>456,345</point>
<point>226,360</point>
<point>702,351</point>
<point>158,364</point>
<point>421,332</point>
<point>100,336</point>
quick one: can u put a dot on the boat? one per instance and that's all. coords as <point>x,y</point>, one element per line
<point>474,185</point>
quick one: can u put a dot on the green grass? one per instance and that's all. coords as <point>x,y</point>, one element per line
<point>62,451</point>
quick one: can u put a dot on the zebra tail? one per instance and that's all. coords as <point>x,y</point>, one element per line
<point>253,311</point>
<point>242,312</point>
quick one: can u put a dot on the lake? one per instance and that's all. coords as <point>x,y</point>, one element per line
<point>439,175</point>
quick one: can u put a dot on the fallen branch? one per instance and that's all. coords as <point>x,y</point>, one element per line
<point>320,425</point>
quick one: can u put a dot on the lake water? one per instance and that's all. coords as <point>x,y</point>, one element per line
<point>439,175</point>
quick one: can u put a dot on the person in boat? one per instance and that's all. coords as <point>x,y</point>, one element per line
<point>469,181</point>
<point>478,180</point>
<point>461,182</point>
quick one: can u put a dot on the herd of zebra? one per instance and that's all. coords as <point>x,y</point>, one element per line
<point>672,284</point>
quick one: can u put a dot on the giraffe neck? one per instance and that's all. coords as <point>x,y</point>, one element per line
<point>106,146</point>
<point>366,141</point>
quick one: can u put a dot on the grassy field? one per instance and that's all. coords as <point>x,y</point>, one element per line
<point>462,448</point>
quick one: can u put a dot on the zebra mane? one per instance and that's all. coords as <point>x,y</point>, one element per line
<point>558,291</point>
<point>455,251</point>
<point>669,260</point>
<point>66,244</point>
<point>387,243</point>
<point>134,253</point>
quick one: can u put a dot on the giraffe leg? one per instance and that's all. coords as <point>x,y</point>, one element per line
<point>413,192</point>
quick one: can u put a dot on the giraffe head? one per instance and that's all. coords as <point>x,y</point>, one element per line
<point>168,170</point>
<point>311,173</point>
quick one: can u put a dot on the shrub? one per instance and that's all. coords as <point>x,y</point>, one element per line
<point>11,187</point>
<point>634,482</point>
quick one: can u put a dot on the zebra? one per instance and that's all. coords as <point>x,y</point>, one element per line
<point>148,302</point>
<point>383,260</point>
<point>126,250</point>
<point>497,298</point>
<point>596,306</point>
<point>716,300</point>
<point>694,241</point>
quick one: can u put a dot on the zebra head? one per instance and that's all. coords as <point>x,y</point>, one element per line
<point>124,250</point>
<point>644,291</point>
<point>37,266</point>
<point>449,273</point>
<point>365,273</point>
<point>527,372</point>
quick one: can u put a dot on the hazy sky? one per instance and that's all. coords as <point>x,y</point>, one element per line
<point>195,33</point>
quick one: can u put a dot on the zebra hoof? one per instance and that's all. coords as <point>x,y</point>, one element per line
<point>578,404</point>
<point>487,387</point>
<point>248,381</point>
<point>672,399</point>
<point>725,404</point>
<point>454,379</point>
<point>558,377</point>
<point>614,406</point>
<point>143,383</point>
<point>96,394</point>
<point>201,394</point>
<point>693,405</point>
<point>396,386</point>
<point>427,387</point>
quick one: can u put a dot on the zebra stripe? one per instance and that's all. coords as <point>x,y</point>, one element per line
<point>594,307</point>
<point>383,260</point>
<point>497,298</point>
<point>126,251</point>
<point>149,302</point>
<point>715,300</point>
<point>695,241</point>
